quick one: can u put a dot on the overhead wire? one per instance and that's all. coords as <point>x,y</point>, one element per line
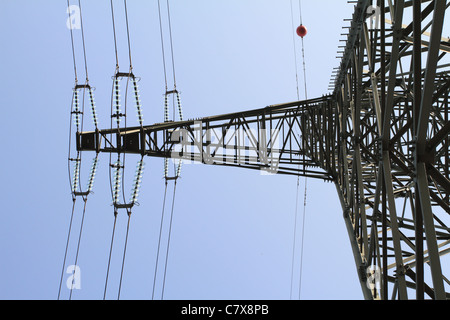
<point>77,192</point>
<point>298,177</point>
<point>128,33</point>
<point>303,240</point>
<point>110,254</point>
<point>114,102</point>
<point>168,240</point>
<point>74,184</point>
<point>78,245</point>
<point>295,52</point>
<point>306,178</point>
<point>169,22</point>
<point>177,170</point>
<point>114,34</point>
<point>67,246</point>
<point>159,241</point>
<point>171,45</point>
<point>84,45</point>
<point>73,46</point>
<point>119,165</point>
<point>123,175</point>
<point>69,151</point>
<point>124,253</point>
<point>69,174</point>
<point>78,114</point>
<point>303,54</point>
<point>84,197</point>
<point>162,45</point>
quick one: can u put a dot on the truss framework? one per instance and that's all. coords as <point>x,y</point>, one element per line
<point>382,137</point>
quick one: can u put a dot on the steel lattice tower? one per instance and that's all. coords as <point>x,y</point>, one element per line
<point>382,136</point>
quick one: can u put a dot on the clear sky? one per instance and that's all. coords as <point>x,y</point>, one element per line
<point>232,234</point>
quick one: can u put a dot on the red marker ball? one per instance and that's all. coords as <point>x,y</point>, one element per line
<point>302,31</point>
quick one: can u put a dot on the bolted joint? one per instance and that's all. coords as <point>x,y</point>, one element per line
<point>346,212</point>
<point>400,271</point>
<point>398,34</point>
<point>427,157</point>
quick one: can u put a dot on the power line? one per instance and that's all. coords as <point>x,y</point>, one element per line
<point>168,239</point>
<point>295,51</point>
<point>124,253</point>
<point>67,246</point>
<point>169,20</point>
<point>74,198</point>
<point>114,33</point>
<point>177,170</point>
<point>78,245</point>
<point>119,165</point>
<point>78,116</point>
<point>159,241</point>
<point>303,240</point>
<point>128,32</point>
<point>110,253</point>
<point>306,178</point>
<point>298,178</point>
<point>162,44</point>
<point>73,46</point>
<point>295,237</point>
<point>84,45</point>
<point>171,45</point>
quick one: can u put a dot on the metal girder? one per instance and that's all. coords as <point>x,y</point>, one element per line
<point>382,137</point>
<point>400,128</point>
<point>295,138</point>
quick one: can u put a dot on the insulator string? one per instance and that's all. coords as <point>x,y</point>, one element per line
<point>77,116</point>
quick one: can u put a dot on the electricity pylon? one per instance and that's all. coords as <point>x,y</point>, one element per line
<point>381,135</point>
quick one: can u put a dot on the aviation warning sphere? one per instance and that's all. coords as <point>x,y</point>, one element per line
<point>302,31</point>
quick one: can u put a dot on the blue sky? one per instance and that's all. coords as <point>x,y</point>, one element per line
<point>232,233</point>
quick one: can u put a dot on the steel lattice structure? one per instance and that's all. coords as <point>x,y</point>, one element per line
<point>382,136</point>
